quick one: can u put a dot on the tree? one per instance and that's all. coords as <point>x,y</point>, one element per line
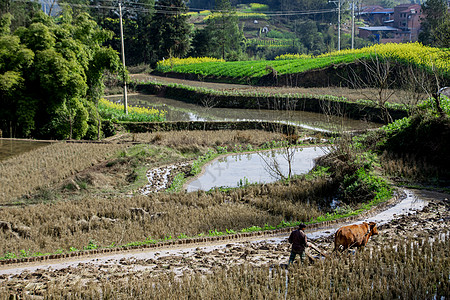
<point>310,37</point>
<point>376,81</point>
<point>225,38</point>
<point>54,72</point>
<point>434,23</point>
<point>137,16</point>
<point>169,30</point>
<point>442,34</point>
<point>203,4</point>
<point>200,44</point>
<point>14,59</point>
<point>78,6</point>
<point>419,83</point>
<point>22,12</point>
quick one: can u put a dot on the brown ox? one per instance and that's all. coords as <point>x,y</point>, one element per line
<point>354,235</point>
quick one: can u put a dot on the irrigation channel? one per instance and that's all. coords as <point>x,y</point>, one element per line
<point>181,111</point>
<point>172,258</point>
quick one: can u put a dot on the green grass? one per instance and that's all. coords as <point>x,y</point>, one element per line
<point>177,184</point>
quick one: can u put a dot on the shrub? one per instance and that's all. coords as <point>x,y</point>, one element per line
<point>364,186</point>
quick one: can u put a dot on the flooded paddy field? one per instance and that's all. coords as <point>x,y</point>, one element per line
<point>242,169</point>
<point>11,147</point>
<point>181,111</point>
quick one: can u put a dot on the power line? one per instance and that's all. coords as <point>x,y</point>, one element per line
<point>325,10</point>
<point>165,11</point>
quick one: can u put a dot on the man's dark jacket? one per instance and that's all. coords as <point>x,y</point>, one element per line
<point>298,241</point>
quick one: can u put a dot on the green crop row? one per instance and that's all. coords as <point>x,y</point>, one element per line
<point>260,68</point>
<point>256,94</point>
<point>413,53</point>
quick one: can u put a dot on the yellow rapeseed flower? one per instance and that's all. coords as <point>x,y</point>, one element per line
<point>132,109</point>
<point>174,61</point>
<point>414,53</point>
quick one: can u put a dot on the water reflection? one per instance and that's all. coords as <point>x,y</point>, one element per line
<point>181,111</point>
<point>9,148</point>
<point>240,169</point>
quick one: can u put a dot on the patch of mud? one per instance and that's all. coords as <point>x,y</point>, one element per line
<point>160,178</point>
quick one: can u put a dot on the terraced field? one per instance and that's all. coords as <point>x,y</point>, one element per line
<point>415,54</point>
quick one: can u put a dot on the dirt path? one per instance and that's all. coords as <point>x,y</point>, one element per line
<point>416,216</point>
<point>350,94</point>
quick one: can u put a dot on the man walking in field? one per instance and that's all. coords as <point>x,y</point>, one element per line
<point>299,243</point>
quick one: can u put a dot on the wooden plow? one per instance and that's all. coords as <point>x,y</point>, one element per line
<point>316,249</point>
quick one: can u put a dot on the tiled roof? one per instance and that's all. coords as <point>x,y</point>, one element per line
<point>379,28</point>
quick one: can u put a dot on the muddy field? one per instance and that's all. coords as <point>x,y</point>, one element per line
<point>433,222</point>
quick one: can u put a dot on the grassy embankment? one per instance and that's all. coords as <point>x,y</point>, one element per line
<point>413,151</point>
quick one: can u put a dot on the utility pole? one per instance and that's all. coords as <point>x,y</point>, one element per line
<point>125,98</point>
<point>353,24</point>
<point>339,25</point>
<point>339,21</point>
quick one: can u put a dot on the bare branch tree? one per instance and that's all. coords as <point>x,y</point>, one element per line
<point>333,110</point>
<point>273,166</point>
<point>208,102</point>
<point>411,92</point>
<point>376,73</point>
<point>419,83</point>
<point>288,144</point>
